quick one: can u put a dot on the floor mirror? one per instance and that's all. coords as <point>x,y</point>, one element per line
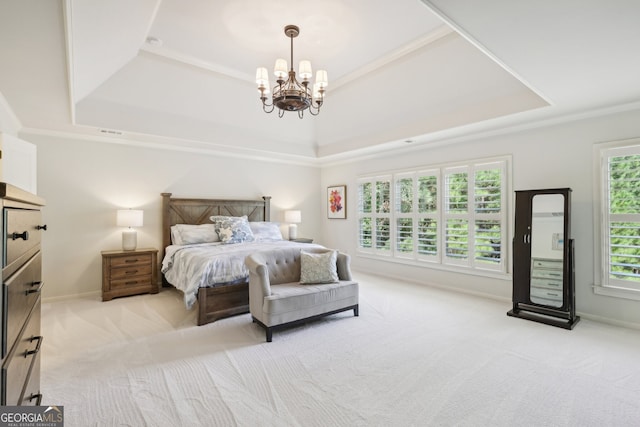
<point>543,260</point>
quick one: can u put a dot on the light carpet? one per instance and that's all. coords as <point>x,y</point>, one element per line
<point>416,356</point>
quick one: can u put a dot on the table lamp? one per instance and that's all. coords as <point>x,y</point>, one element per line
<point>129,218</point>
<point>293,218</point>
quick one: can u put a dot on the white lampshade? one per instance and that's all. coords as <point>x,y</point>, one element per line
<point>322,80</point>
<point>280,70</point>
<point>305,70</point>
<point>293,217</point>
<point>129,218</point>
<point>262,77</point>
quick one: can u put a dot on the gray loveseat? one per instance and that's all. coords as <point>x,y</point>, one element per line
<point>278,299</point>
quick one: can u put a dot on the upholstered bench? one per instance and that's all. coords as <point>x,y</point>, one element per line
<point>289,286</point>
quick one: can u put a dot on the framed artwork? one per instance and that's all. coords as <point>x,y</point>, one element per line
<point>337,202</point>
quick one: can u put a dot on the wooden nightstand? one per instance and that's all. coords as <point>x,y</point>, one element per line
<point>127,273</point>
<point>302,240</point>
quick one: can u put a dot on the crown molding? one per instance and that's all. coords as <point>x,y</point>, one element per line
<point>174,144</point>
<point>492,128</point>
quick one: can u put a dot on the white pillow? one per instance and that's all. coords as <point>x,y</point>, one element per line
<point>318,267</point>
<point>265,231</point>
<point>188,234</point>
<point>232,229</point>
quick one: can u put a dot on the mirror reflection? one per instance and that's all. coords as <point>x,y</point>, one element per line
<point>547,243</point>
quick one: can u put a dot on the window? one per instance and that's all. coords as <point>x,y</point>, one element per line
<point>620,217</point>
<point>451,216</point>
<point>374,215</point>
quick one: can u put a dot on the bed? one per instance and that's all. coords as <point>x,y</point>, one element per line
<point>193,268</point>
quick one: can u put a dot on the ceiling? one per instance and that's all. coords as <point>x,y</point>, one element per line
<point>406,70</point>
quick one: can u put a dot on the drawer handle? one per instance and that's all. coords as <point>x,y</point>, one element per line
<point>131,271</point>
<point>41,227</point>
<point>28,353</point>
<point>129,261</point>
<point>35,291</point>
<point>24,235</point>
<point>131,282</point>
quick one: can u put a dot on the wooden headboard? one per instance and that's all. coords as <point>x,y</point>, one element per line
<point>197,211</point>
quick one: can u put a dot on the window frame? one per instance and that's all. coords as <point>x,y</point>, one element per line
<point>603,283</point>
<point>374,215</point>
<point>472,264</point>
<point>416,215</point>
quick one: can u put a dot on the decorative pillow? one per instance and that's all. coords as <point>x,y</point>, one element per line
<point>188,234</point>
<point>318,267</point>
<point>265,231</point>
<point>232,229</point>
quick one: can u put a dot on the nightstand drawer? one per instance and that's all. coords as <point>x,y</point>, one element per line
<point>132,282</point>
<point>128,260</point>
<point>131,271</point>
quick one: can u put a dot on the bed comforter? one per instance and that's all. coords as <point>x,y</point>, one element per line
<point>192,267</point>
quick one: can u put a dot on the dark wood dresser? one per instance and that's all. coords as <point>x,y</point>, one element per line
<point>22,284</point>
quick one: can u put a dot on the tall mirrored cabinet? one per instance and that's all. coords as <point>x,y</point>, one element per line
<point>543,267</point>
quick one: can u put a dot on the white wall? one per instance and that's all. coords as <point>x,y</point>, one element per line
<point>9,125</point>
<point>546,157</point>
<point>84,182</point>
<point>20,163</point>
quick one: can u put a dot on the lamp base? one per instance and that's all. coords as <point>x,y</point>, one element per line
<point>293,231</point>
<point>129,240</point>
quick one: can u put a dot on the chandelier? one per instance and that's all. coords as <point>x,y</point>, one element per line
<point>289,94</point>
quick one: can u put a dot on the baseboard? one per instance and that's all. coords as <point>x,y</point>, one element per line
<point>609,321</point>
<point>583,315</point>
<point>84,295</point>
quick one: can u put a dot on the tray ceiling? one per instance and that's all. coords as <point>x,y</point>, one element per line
<point>408,69</point>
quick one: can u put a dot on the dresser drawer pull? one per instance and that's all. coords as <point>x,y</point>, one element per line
<point>35,291</point>
<point>131,272</point>
<point>131,282</point>
<point>41,227</point>
<point>24,235</point>
<point>28,353</point>
<point>35,396</point>
<point>131,260</point>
